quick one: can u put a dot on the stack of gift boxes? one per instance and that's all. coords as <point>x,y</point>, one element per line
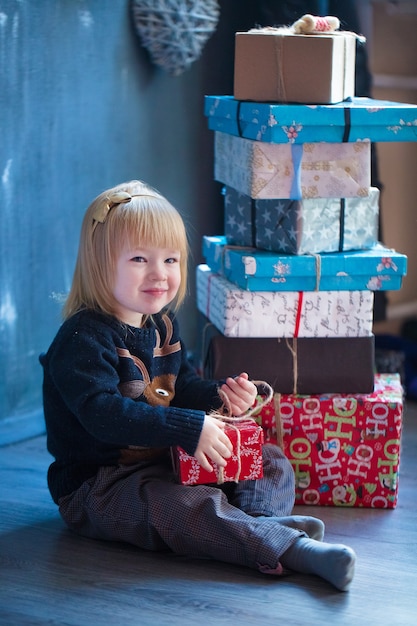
<point>286,293</point>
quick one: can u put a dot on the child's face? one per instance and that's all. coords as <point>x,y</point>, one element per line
<point>147,279</point>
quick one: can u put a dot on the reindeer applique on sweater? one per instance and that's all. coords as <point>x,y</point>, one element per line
<point>159,390</point>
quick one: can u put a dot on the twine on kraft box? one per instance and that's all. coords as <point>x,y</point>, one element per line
<point>225,415</point>
<point>307,25</point>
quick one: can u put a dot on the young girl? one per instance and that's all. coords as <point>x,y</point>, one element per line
<point>118,392</point>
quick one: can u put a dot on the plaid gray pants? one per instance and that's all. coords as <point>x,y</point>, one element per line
<point>145,506</point>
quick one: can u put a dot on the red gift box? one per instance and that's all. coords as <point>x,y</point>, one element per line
<point>345,449</point>
<point>244,464</point>
<point>268,418</point>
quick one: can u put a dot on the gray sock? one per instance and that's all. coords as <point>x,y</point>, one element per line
<point>312,526</point>
<point>333,562</point>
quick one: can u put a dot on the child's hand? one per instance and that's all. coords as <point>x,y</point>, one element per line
<point>240,392</point>
<point>213,445</point>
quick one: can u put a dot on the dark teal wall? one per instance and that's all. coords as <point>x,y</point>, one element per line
<point>81,109</point>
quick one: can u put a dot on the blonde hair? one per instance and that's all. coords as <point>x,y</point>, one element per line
<point>131,214</point>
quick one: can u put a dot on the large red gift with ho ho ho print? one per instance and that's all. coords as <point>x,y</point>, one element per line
<point>344,448</point>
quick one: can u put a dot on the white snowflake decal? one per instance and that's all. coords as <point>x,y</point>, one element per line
<point>271,120</point>
<point>281,268</point>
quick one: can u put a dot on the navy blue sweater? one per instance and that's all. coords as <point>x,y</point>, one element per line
<point>111,390</point>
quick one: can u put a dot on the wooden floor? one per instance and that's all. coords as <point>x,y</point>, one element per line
<point>49,576</point>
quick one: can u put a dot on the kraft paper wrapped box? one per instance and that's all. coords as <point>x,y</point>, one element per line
<point>313,225</point>
<point>359,119</point>
<point>240,313</point>
<point>245,463</point>
<point>345,449</point>
<point>274,64</point>
<point>378,268</point>
<point>294,171</point>
<point>290,365</point>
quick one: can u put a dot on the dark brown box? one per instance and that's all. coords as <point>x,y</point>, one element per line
<point>293,365</point>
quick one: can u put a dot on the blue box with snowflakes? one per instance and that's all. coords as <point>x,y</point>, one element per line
<point>361,119</point>
<point>376,269</point>
<point>311,225</point>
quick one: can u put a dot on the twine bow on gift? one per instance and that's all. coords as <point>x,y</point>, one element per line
<point>310,26</point>
<point>225,415</point>
<point>314,24</point>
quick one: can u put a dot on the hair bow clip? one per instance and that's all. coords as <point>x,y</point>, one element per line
<point>102,211</point>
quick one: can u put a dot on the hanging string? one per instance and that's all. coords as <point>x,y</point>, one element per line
<point>278,421</point>
<point>294,352</point>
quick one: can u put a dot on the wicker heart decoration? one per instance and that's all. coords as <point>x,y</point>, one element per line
<point>175,31</point>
